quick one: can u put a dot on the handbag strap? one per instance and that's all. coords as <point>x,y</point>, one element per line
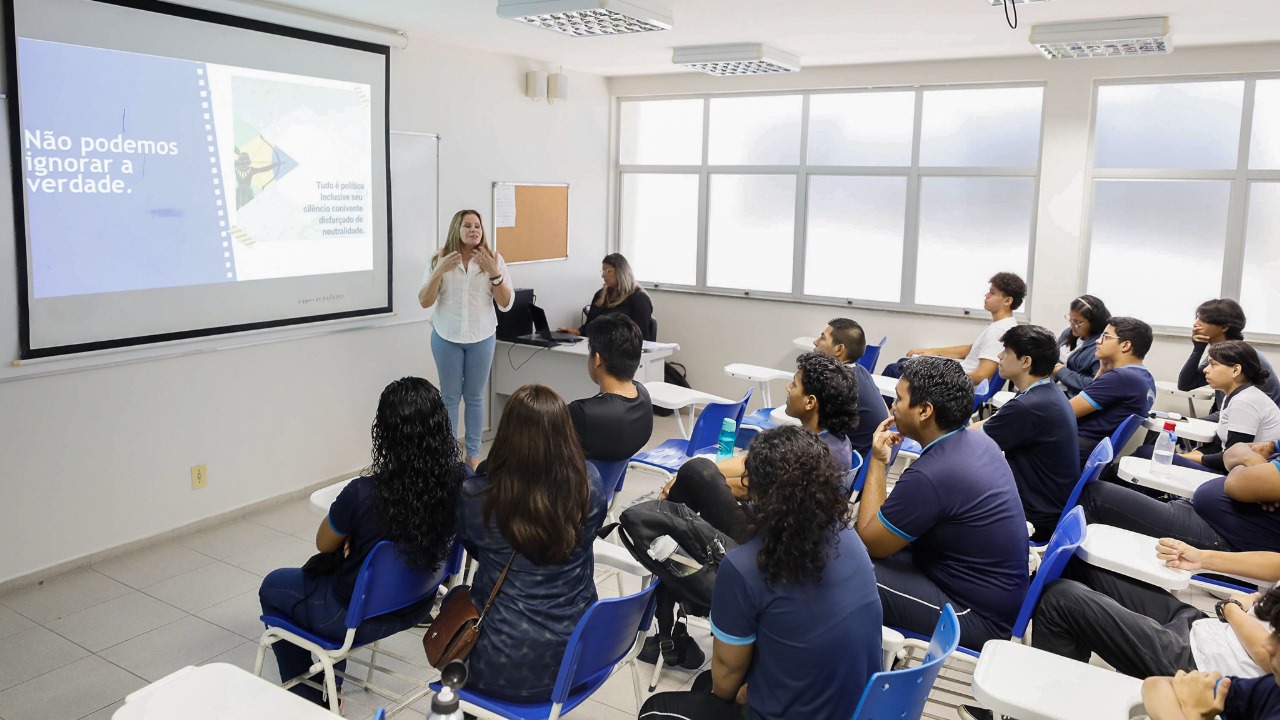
<point>496,588</point>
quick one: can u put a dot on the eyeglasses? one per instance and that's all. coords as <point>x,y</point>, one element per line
<point>1107,336</point>
<point>1075,323</point>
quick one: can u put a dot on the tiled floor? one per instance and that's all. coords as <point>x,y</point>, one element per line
<point>74,646</point>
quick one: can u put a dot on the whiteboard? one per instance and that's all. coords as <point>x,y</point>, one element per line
<point>415,182</point>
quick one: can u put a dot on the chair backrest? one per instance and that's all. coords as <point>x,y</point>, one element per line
<point>871,355</point>
<point>1062,545</point>
<point>604,635</point>
<point>857,473</point>
<point>903,693</point>
<point>984,394</point>
<point>381,714</point>
<point>386,583</point>
<point>706,431</point>
<point>612,475</point>
<point>1121,436</point>
<point>1098,459</point>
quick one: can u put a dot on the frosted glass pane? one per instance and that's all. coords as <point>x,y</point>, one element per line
<point>1262,259</point>
<point>1190,126</point>
<point>661,132</point>
<point>751,231</point>
<point>1264,148</point>
<point>970,229</point>
<point>868,128</point>
<point>854,238</point>
<point>1156,249</point>
<point>990,127</point>
<point>660,227</point>
<point>761,130</point>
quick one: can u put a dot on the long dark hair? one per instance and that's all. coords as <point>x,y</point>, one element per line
<point>1093,310</point>
<point>416,471</point>
<point>800,505</point>
<point>1239,352</point>
<point>1226,314</point>
<point>539,491</point>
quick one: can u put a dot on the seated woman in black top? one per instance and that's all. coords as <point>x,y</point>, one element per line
<point>406,496</point>
<point>620,294</point>
<point>1218,321</point>
<point>1087,317</point>
<point>538,508</point>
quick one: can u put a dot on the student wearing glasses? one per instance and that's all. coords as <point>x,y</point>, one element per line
<point>1087,316</point>
<point>1124,385</point>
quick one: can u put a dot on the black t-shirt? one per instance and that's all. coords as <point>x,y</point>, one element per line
<point>1037,432</point>
<point>612,427</point>
<point>636,306</point>
<point>871,411</point>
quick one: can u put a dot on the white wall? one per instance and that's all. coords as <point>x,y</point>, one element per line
<point>715,331</point>
<point>101,457</point>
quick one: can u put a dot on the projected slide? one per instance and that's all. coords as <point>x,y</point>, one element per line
<point>146,172</point>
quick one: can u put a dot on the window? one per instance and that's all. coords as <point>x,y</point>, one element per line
<point>882,197</point>
<point>1167,188</point>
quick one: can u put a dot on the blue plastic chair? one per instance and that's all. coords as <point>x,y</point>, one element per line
<point>903,693</point>
<point>982,396</point>
<point>609,635</point>
<point>860,479</point>
<point>612,475</point>
<point>381,714</point>
<point>1098,460</point>
<point>857,474</point>
<point>385,584</point>
<point>1124,433</point>
<point>871,355</point>
<point>671,454</point>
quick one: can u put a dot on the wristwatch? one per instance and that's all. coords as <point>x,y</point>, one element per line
<point>1221,607</point>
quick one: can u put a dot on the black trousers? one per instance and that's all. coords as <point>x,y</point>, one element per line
<point>1139,629</point>
<point>913,602</point>
<point>695,704</point>
<point>1112,504</point>
<point>700,486</point>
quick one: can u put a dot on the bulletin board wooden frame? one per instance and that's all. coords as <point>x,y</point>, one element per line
<point>541,232</point>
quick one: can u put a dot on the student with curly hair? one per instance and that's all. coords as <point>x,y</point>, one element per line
<point>795,615</point>
<point>538,508</point>
<point>407,496</point>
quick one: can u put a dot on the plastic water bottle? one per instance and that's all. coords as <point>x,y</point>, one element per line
<point>728,436</point>
<point>1162,456</point>
<point>445,705</point>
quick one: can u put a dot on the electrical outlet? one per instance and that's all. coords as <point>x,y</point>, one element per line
<point>199,477</point>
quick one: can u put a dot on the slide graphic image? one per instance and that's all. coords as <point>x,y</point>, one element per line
<point>145,172</point>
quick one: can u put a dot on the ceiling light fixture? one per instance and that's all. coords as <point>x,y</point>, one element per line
<point>996,3</point>
<point>736,59</point>
<point>1107,38</point>
<point>587,18</point>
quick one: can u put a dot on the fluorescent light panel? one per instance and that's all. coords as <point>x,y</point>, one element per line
<point>737,59</point>
<point>587,18</point>
<point>1107,38</point>
<point>998,3</point>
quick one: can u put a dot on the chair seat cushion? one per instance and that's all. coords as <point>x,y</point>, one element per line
<point>669,456</point>
<point>286,624</point>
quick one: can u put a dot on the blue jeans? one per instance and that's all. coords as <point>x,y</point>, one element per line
<point>464,373</point>
<point>310,603</point>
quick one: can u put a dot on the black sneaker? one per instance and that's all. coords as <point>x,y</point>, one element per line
<point>973,712</point>
<point>649,652</point>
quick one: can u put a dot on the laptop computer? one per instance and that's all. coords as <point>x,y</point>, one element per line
<point>542,335</point>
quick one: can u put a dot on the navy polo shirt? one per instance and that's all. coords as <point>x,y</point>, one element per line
<point>1037,432</point>
<point>1115,395</point>
<point>1244,526</point>
<point>958,506</point>
<point>798,631</point>
<point>353,514</point>
<point>871,410</point>
<point>1252,699</point>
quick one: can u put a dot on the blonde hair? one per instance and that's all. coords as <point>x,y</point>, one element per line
<point>625,285</point>
<point>453,240</point>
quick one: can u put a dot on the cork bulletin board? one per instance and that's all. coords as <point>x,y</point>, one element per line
<point>531,221</point>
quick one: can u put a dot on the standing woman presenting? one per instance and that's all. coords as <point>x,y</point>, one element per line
<point>619,294</point>
<point>466,278</point>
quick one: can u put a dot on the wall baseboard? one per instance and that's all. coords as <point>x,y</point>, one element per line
<point>39,576</point>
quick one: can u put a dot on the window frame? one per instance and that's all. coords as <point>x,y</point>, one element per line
<point>1241,180</point>
<point>802,171</point>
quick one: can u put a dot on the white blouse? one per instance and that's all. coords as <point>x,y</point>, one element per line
<point>463,312</point>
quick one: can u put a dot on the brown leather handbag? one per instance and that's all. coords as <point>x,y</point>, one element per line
<point>457,626</point>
